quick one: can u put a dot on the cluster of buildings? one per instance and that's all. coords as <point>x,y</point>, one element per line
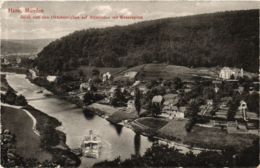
<point>227,73</point>
<point>168,102</point>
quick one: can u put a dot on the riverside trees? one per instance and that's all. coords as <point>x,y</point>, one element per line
<point>11,98</point>
<point>137,101</point>
<point>172,158</point>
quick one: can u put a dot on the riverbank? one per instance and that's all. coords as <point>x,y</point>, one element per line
<point>51,140</point>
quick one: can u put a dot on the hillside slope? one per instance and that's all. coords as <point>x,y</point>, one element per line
<point>218,39</point>
<point>164,71</point>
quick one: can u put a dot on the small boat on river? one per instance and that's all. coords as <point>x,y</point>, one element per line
<point>91,145</point>
<point>40,91</point>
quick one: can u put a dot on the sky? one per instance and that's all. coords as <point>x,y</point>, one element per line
<point>13,27</point>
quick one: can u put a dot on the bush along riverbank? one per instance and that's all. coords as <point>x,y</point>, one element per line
<point>52,140</point>
<point>57,89</point>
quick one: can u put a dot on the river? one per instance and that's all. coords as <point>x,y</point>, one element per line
<point>117,141</point>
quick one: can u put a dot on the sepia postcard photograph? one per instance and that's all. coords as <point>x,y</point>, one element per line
<point>129,84</point>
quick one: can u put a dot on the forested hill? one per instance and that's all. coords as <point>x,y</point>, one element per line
<point>226,38</point>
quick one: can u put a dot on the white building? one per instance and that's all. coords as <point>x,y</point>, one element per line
<point>157,99</point>
<point>84,87</point>
<point>33,74</point>
<point>51,78</point>
<point>106,76</point>
<point>226,73</point>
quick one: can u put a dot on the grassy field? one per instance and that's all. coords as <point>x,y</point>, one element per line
<point>122,115</point>
<point>148,125</point>
<point>42,118</point>
<point>165,71</point>
<point>175,130</point>
<point>216,138</point>
<point>154,123</point>
<point>205,137</point>
<point>19,123</point>
<point>102,109</point>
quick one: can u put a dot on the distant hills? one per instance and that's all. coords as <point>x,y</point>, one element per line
<point>13,47</point>
<point>207,40</point>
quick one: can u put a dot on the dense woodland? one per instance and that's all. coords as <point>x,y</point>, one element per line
<point>218,39</point>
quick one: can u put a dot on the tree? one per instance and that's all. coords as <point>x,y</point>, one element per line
<point>232,110</point>
<point>216,101</point>
<point>49,136</point>
<point>155,109</point>
<point>253,102</point>
<point>95,72</point>
<point>10,97</point>
<point>249,156</point>
<point>20,100</point>
<point>178,83</point>
<point>191,122</point>
<point>88,97</point>
<point>193,109</point>
<point>192,113</point>
<point>110,59</point>
<point>208,93</point>
<point>118,98</point>
<point>81,74</point>
<point>147,57</point>
<point>73,63</point>
<point>137,101</point>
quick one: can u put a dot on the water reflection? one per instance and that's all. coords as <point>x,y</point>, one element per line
<point>118,128</point>
<point>88,114</point>
<point>137,144</point>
